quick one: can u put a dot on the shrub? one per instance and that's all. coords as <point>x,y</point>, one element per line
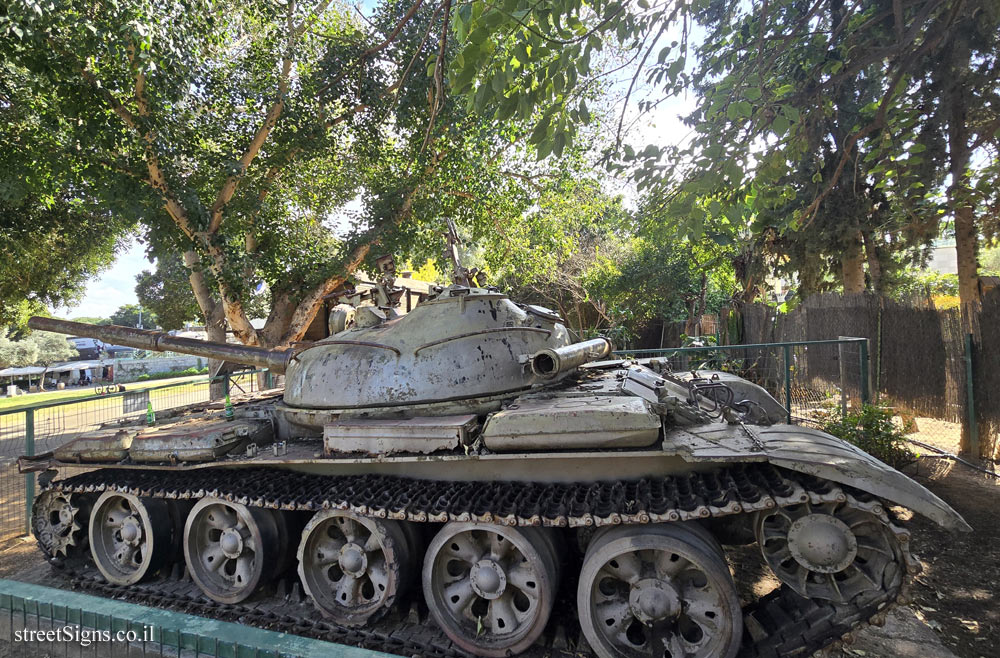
<point>871,429</point>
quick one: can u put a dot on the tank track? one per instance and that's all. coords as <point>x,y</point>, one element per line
<point>780,624</point>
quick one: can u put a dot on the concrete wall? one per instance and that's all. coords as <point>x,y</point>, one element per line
<point>128,370</point>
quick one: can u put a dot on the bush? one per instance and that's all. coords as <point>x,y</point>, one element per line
<point>872,430</point>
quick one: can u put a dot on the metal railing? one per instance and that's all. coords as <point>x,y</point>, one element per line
<point>30,430</point>
<point>804,376</point>
<point>38,622</point>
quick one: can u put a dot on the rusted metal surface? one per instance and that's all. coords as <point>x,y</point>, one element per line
<point>104,445</point>
<point>421,435</point>
<point>743,390</point>
<point>553,422</point>
<point>197,440</point>
<point>816,453</point>
<point>359,343</point>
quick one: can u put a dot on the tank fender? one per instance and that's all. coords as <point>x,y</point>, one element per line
<point>816,453</point>
<point>744,389</point>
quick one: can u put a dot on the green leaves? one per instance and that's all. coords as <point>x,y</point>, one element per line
<point>739,110</point>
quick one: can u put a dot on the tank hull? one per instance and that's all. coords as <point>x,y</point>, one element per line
<point>480,488</point>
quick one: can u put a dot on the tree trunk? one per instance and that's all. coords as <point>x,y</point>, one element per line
<point>853,266</point>
<point>967,248</point>
<point>959,153</point>
<point>215,322</point>
<point>215,330</point>
<point>874,264</point>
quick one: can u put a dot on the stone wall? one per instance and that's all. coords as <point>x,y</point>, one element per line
<point>128,370</point>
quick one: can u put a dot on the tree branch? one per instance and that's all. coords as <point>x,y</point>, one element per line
<point>307,308</point>
<point>270,120</point>
<point>374,49</point>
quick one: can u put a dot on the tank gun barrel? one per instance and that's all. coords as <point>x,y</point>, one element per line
<point>550,363</point>
<point>158,341</point>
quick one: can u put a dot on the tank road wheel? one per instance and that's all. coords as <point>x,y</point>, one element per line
<point>832,551</point>
<point>58,521</point>
<point>658,590</point>
<point>491,588</point>
<point>231,549</point>
<point>351,566</point>
<point>129,536</point>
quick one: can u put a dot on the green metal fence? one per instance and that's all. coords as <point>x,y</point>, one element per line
<point>809,378</point>
<point>39,622</point>
<point>38,428</point>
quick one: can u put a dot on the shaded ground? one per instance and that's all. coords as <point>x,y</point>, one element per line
<point>955,597</point>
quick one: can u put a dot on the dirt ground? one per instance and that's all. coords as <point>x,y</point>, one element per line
<point>956,596</point>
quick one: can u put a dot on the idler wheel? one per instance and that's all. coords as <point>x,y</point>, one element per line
<point>491,588</point>
<point>353,567</point>
<point>658,590</point>
<point>231,549</point>
<point>59,522</point>
<point>130,537</point>
<point>833,551</point>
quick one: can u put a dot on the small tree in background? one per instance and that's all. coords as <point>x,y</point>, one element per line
<point>52,349</point>
<point>133,315</point>
<point>40,348</point>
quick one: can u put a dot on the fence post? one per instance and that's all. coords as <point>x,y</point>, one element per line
<point>842,363</point>
<point>970,395</point>
<point>865,392</point>
<point>788,381</point>
<point>29,478</point>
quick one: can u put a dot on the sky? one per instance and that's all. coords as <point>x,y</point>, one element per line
<point>113,288</point>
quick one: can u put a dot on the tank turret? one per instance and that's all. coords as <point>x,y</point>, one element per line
<point>462,350</point>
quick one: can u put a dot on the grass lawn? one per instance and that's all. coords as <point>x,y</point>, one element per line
<point>33,399</point>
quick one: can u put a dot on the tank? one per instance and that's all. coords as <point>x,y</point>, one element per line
<point>472,456</point>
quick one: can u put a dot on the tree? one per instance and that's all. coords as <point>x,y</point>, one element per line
<point>774,79</point>
<point>16,353</point>
<point>133,315</point>
<point>40,348</point>
<point>234,131</point>
<point>92,319</point>
<point>991,261</point>
<point>50,247</point>
<point>553,257</point>
<point>52,348</point>
<point>166,293</point>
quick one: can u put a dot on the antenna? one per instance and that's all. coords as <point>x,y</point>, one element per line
<point>458,274</point>
<point>461,276</point>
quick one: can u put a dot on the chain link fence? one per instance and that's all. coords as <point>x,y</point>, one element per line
<point>29,430</point>
<point>811,379</point>
<point>817,380</point>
